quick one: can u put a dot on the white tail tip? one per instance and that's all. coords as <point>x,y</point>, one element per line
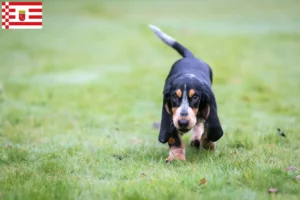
<point>163,36</point>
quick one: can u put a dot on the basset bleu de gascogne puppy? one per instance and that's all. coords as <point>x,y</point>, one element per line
<point>188,102</point>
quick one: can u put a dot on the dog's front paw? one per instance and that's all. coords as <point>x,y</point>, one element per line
<point>176,154</point>
<point>172,158</point>
<point>195,143</point>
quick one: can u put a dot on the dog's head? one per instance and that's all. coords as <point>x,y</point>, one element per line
<point>184,101</point>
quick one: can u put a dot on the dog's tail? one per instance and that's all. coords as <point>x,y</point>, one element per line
<point>184,52</point>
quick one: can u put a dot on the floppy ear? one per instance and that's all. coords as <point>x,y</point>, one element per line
<point>166,118</point>
<point>214,128</point>
<point>204,106</point>
<point>166,122</point>
<point>206,111</point>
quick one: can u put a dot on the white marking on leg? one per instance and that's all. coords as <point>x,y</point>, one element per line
<point>198,131</point>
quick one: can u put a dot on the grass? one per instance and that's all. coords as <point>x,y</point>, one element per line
<point>78,99</point>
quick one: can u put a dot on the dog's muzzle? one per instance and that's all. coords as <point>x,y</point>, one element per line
<point>183,122</point>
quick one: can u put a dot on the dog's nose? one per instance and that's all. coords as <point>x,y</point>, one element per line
<point>184,113</point>
<point>183,122</point>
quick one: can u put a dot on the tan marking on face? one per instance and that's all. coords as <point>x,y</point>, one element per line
<point>191,93</point>
<point>195,110</point>
<point>174,110</point>
<point>191,117</point>
<point>176,116</point>
<point>179,93</point>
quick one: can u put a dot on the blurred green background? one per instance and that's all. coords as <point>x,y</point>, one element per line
<point>88,87</point>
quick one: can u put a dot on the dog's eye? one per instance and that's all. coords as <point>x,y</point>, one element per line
<point>174,97</point>
<point>195,97</point>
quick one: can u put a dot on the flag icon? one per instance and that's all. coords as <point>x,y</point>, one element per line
<point>22,15</point>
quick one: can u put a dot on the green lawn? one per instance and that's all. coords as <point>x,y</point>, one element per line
<point>78,99</point>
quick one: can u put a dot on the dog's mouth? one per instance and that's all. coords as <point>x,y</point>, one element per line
<point>183,130</point>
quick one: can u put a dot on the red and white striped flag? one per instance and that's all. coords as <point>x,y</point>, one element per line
<point>22,15</point>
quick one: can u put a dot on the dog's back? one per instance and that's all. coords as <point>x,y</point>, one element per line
<point>193,66</point>
<point>189,63</point>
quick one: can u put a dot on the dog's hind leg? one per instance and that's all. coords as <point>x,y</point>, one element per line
<point>198,131</point>
<point>177,149</point>
<point>205,143</point>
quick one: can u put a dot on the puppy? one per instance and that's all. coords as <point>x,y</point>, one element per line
<point>188,103</point>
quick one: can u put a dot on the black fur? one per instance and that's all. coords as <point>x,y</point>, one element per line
<point>197,74</point>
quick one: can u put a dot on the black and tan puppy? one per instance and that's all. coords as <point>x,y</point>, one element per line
<point>188,102</point>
